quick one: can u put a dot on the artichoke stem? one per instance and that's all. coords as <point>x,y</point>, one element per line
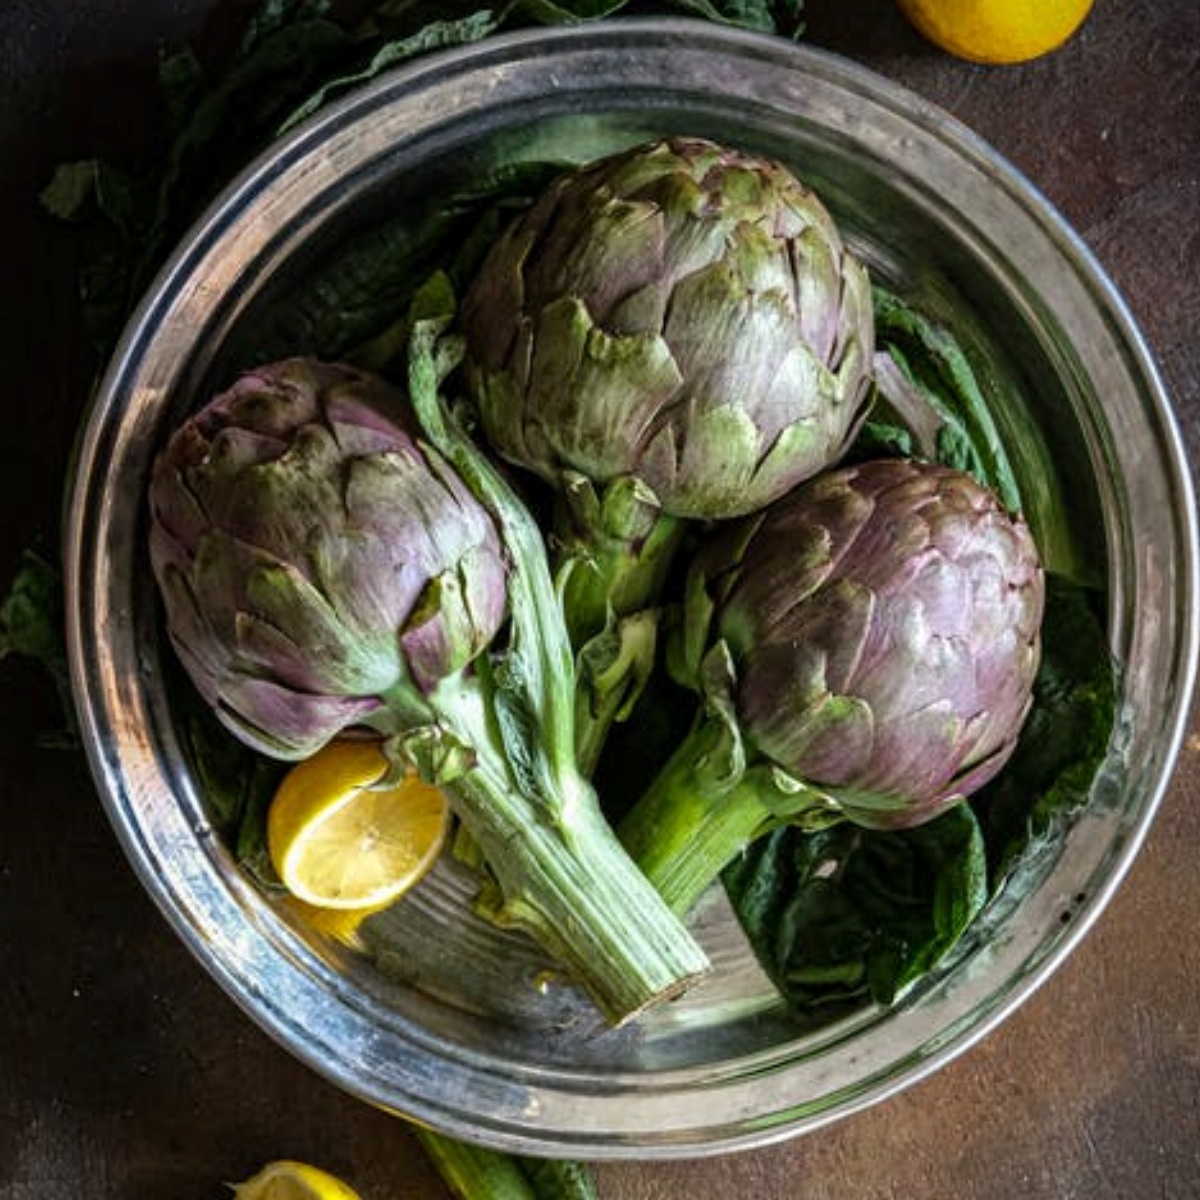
<point>568,882</point>
<point>477,1173</point>
<point>613,574</point>
<point>688,826</point>
<point>473,1172</point>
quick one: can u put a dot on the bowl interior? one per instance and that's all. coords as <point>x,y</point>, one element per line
<point>427,1010</point>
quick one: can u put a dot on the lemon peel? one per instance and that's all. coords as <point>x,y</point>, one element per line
<point>996,31</point>
<point>286,1179</point>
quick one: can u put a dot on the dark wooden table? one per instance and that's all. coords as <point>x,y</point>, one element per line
<point>126,1072</point>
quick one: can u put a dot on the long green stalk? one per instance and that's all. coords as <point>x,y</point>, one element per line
<point>563,874</point>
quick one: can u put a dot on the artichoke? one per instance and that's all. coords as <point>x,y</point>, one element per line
<point>673,333</point>
<point>867,649</point>
<point>322,570</point>
<point>681,313</point>
<point>316,564</point>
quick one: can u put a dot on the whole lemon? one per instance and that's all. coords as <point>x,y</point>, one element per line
<point>996,31</point>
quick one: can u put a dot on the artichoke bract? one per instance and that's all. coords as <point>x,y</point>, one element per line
<point>866,648</point>
<point>683,313</point>
<point>315,562</point>
<point>324,569</point>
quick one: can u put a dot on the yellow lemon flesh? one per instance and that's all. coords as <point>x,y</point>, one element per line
<point>996,31</point>
<point>338,842</point>
<point>287,1180</point>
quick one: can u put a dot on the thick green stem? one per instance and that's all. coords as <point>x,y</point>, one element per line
<point>563,874</point>
<point>567,881</point>
<point>477,1173</point>
<point>684,830</point>
<point>474,1173</point>
<point>696,817</point>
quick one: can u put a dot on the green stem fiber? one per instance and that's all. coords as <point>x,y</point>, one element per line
<point>697,817</point>
<point>564,876</point>
<point>477,1173</point>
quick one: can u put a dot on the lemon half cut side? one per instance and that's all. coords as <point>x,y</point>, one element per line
<point>337,841</point>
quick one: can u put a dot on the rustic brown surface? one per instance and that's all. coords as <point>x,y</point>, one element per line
<point>125,1071</point>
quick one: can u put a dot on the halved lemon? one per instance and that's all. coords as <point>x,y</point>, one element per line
<point>337,841</point>
<point>289,1180</point>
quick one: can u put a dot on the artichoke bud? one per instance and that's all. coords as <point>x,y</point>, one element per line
<point>315,562</point>
<point>884,621</point>
<point>682,313</point>
<point>616,664</point>
<point>792,801</point>
<point>707,581</point>
<point>443,633</point>
<point>721,760</point>
<point>626,509</point>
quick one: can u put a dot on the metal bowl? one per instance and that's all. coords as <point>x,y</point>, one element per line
<point>430,1014</point>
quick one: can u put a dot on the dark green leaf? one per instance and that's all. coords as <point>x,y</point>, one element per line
<point>31,613</point>
<point>842,915</point>
<point>31,625</point>
<point>182,83</point>
<point>273,15</point>
<point>1065,737</point>
<point>355,305</point>
<point>565,12</point>
<point>437,35</point>
<point>764,16</point>
<point>236,784</point>
<point>72,190</point>
<point>877,439</point>
<point>942,376</point>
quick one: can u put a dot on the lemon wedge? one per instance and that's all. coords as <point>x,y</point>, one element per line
<point>288,1180</point>
<point>339,842</point>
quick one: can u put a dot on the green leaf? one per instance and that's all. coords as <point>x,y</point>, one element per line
<point>842,915</point>
<point>878,439</point>
<point>437,35</point>
<point>31,614</point>
<point>273,15</point>
<point>940,374</point>
<point>963,413</point>
<point>760,15</point>
<point>356,305</point>
<point>71,189</point>
<point>1065,738</point>
<point>31,625</point>
<point>237,785</point>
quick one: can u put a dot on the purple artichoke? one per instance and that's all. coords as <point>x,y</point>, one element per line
<point>885,626</point>
<point>313,559</point>
<point>321,568</point>
<point>682,314</point>
<point>866,648</point>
